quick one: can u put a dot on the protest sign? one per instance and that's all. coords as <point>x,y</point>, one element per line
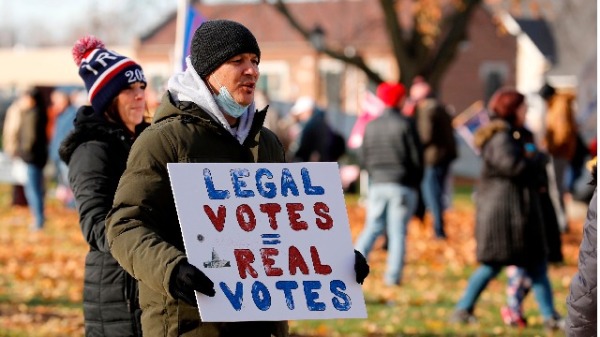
<point>274,238</point>
<point>468,121</point>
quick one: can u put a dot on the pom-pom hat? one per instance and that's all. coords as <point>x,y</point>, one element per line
<point>104,72</point>
<point>390,93</point>
<point>216,41</point>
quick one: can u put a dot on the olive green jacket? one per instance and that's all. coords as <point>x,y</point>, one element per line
<point>143,229</point>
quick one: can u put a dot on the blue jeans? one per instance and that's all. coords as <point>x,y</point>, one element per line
<point>485,273</point>
<point>390,205</point>
<point>432,189</point>
<point>34,193</point>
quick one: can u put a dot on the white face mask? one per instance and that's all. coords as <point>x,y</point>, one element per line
<point>226,102</point>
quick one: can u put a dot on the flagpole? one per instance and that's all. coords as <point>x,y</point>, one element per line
<point>182,6</point>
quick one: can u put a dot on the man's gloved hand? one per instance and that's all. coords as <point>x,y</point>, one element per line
<point>361,267</point>
<point>186,279</point>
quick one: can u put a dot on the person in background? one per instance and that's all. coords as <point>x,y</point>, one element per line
<point>10,144</point>
<point>273,120</point>
<point>32,148</point>
<point>434,125</point>
<point>391,153</point>
<point>64,113</point>
<point>96,153</point>
<point>518,282</point>
<point>207,115</point>
<point>560,141</point>
<point>582,301</point>
<point>317,141</point>
<point>509,224</point>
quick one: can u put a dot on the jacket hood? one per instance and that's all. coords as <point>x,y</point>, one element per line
<point>90,125</point>
<point>485,133</point>
<point>187,86</point>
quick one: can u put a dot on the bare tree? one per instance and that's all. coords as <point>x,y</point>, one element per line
<point>426,47</point>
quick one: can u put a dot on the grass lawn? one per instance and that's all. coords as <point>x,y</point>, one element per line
<point>41,279</point>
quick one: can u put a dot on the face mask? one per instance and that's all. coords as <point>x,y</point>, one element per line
<point>228,104</point>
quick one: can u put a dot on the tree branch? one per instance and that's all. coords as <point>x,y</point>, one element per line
<point>447,48</point>
<point>355,60</point>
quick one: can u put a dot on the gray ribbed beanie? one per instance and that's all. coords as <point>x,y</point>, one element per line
<point>216,41</point>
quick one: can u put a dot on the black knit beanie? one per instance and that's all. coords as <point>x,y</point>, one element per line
<point>216,41</point>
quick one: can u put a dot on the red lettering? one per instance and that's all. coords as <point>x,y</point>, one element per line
<point>271,210</point>
<point>218,220</point>
<point>292,209</point>
<point>247,225</point>
<point>320,268</point>
<point>268,262</point>
<point>321,209</point>
<point>297,261</point>
<point>244,258</point>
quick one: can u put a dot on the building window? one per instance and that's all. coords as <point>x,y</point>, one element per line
<point>493,75</point>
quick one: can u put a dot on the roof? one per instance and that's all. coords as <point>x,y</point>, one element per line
<point>269,26</point>
<point>539,32</point>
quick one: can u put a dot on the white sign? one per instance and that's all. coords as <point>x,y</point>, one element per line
<point>274,238</point>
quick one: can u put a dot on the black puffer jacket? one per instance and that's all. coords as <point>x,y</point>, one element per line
<point>582,302</point>
<point>96,152</point>
<point>391,151</point>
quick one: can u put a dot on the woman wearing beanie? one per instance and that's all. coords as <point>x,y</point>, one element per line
<point>509,222</point>
<point>208,115</point>
<point>96,152</point>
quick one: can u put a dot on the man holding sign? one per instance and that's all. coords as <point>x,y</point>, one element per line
<point>208,116</point>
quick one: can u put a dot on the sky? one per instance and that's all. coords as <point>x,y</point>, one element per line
<point>23,20</point>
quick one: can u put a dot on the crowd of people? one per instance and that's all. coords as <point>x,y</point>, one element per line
<point>109,157</point>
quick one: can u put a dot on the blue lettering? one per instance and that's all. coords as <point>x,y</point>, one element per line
<point>312,296</point>
<point>238,183</point>
<point>308,188</point>
<point>210,187</point>
<point>261,296</point>
<point>288,183</point>
<point>342,301</point>
<point>271,189</point>
<point>287,287</point>
<point>234,299</point>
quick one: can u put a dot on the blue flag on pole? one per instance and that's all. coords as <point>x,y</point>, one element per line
<point>193,20</point>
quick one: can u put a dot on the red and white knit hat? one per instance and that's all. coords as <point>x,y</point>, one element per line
<point>104,72</point>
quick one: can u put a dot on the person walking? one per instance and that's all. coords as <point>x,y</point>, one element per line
<point>207,115</point>
<point>509,225</point>
<point>64,114</point>
<point>436,133</point>
<point>96,153</point>
<point>32,148</point>
<point>392,155</point>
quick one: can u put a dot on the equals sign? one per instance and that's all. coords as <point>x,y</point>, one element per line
<point>270,239</point>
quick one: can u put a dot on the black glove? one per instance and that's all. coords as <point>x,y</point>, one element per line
<point>361,267</point>
<point>187,278</point>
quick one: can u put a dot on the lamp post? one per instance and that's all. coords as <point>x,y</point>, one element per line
<point>317,40</point>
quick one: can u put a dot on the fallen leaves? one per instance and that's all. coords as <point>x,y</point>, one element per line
<point>41,276</point>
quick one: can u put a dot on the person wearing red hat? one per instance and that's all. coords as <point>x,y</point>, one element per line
<point>392,155</point>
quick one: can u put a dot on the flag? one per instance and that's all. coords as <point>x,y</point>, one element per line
<point>190,20</point>
<point>372,107</point>
<point>468,121</point>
